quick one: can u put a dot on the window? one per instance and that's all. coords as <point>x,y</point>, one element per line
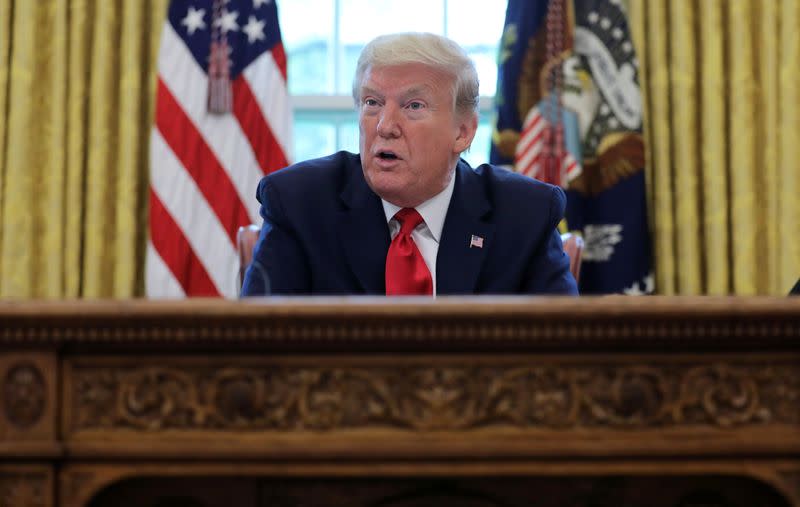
<point>323,39</point>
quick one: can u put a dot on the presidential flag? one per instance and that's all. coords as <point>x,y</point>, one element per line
<point>222,122</point>
<point>569,112</point>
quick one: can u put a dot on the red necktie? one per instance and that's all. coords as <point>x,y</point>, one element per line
<point>406,272</point>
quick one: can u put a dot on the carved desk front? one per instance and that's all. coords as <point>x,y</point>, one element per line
<point>347,401</point>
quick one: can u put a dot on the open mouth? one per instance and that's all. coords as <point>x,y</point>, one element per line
<point>387,155</point>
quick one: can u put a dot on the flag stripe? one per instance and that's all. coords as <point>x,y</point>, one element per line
<point>529,147</point>
<point>258,132</point>
<point>279,56</point>
<point>272,98</point>
<point>176,253</point>
<point>190,147</point>
<point>159,275</point>
<point>193,213</point>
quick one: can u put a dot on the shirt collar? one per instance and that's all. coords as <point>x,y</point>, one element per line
<point>433,211</point>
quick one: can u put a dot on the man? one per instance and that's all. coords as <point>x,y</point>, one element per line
<point>407,215</point>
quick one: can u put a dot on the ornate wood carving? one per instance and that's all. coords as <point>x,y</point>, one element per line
<point>23,489</point>
<point>24,394</point>
<point>452,397</point>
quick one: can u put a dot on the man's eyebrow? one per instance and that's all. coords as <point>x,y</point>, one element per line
<point>417,90</point>
<point>366,90</point>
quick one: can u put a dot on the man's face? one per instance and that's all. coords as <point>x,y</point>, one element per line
<point>410,137</point>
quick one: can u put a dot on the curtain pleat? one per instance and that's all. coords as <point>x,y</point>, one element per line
<point>78,100</point>
<point>767,44</point>
<point>683,88</point>
<point>6,35</point>
<point>741,146</point>
<point>788,98</point>
<point>103,163</point>
<point>713,159</point>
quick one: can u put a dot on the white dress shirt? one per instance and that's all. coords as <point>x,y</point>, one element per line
<point>428,233</point>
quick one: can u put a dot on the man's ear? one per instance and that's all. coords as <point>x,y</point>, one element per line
<point>466,132</point>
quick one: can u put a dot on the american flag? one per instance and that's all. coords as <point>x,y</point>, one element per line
<point>530,152</point>
<point>222,122</point>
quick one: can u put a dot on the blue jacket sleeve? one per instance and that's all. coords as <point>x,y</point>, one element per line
<point>549,272</point>
<point>279,263</point>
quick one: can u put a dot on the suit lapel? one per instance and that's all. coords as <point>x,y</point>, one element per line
<point>363,232</point>
<point>459,260</point>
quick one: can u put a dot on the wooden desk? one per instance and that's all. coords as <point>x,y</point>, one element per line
<point>337,398</point>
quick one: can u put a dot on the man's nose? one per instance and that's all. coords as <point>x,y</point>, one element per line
<point>388,125</point>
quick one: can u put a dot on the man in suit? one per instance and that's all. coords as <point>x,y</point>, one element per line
<point>408,215</point>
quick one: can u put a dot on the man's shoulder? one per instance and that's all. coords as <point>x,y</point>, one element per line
<point>317,170</point>
<point>313,177</point>
<point>508,188</point>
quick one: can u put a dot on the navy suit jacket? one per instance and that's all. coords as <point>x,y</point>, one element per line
<point>325,232</point>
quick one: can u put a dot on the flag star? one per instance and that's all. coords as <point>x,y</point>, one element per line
<point>254,29</point>
<point>613,123</point>
<point>627,47</point>
<point>259,3</point>
<point>593,17</point>
<point>605,23</point>
<point>227,21</point>
<point>194,20</point>
<point>617,33</point>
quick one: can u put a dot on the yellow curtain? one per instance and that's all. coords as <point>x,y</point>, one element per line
<point>76,96</point>
<point>722,123</point>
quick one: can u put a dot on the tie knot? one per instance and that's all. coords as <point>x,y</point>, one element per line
<point>409,219</point>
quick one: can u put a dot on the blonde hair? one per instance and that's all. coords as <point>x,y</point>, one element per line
<point>428,49</point>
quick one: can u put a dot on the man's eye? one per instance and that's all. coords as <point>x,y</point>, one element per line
<point>370,102</point>
<point>416,105</point>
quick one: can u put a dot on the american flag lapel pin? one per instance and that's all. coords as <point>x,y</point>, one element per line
<point>476,241</point>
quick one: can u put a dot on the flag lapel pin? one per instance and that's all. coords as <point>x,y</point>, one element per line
<point>475,241</point>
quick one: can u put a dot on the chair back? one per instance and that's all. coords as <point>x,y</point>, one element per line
<point>573,247</point>
<point>247,235</point>
<point>246,238</point>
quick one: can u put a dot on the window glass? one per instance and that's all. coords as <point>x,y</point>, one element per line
<point>479,151</point>
<point>315,136</point>
<point>348,134</point>
<point>308,41</point>
<point>477,26</point>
